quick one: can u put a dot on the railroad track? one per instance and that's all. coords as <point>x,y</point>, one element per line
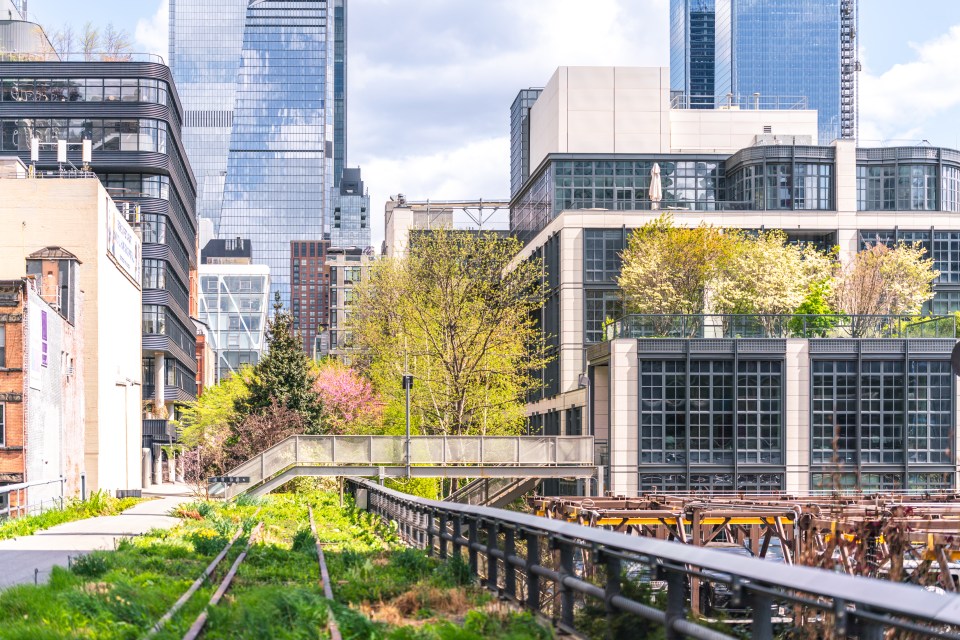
<point>324,580</point>
<point>196,629</point>
<point>201,620</point>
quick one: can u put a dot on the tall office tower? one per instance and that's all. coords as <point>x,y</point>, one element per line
<point>339,89</point>
<point>258,87</point>
<point>768,54</point>
<point>692,51</point>
<point>350,221</point>
<point>520,137</point>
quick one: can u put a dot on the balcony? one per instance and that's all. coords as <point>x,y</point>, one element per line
<point>162,430</point>
<point>780,326</point>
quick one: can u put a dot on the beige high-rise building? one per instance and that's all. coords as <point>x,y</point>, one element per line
<point>76,214</point>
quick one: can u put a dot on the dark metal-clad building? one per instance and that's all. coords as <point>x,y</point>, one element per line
<point>130,112</point>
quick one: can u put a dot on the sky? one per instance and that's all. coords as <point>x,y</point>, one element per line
<point>430,82</point>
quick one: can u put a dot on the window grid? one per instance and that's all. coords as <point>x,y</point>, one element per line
<point>760,412</point>
<point>881,412</point>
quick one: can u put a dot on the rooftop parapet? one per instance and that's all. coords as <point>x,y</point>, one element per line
<point>780,326</point>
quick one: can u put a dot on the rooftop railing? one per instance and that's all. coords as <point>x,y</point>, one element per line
<point>684,101</point>
<point>79,56</point>
<point>780,326</point>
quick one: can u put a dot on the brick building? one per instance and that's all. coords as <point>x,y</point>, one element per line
<point>310,290</point>
<point>41,383</point>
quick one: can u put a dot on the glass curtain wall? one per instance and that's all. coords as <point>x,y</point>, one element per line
<point>280,163</point>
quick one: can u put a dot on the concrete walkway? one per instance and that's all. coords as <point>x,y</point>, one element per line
<point>33,557</point>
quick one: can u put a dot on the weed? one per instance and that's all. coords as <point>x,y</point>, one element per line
<point>454,572</point>
<point>303,541</point>
<point>91,565</point>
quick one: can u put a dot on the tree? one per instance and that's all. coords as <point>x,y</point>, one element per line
<point>283,376</point>
<point>457,313</point>
<point>257,432</point>
<point>109,45</point>
<point>767,276</point>
<point>881,281</point>
<point>668,269</point>
<point>814,317</point>
<point>89,41</point>
<point>206,425</point>
<point>64,40</point>
<point>350,405</point>
<point>116,44</point>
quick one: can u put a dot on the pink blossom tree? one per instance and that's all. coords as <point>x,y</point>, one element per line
<point>350,405</point>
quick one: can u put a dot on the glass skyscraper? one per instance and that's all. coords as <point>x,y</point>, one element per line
<point>259,89</point>
<point>733,50</point>
<point>350,220</point>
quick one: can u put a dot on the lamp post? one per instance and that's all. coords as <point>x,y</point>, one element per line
<point>583,382</point>
<point>407,385</point>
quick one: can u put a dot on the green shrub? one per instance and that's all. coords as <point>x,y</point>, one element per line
<point>91,565</point>
<point>454,572</point>
<point>304,542</point>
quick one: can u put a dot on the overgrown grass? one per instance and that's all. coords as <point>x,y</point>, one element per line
<point>381,590</point>
<point>99,504</point>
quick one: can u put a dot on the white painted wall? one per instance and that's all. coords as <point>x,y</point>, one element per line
<point>71,213</point>
<point>113,459</point>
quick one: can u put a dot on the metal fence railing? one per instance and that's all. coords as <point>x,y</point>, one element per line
<point>16,500</point>
<point>390,451</point>
<point>780,326</point>
<point>556,568</point>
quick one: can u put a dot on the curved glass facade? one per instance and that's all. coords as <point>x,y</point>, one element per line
<point>107,135</point>
<point>84,90</point>
<point>138,157</point>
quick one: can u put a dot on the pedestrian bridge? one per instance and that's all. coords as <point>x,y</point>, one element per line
<point>430,457</point>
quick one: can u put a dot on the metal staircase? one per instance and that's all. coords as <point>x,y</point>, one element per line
<point>492,492</point>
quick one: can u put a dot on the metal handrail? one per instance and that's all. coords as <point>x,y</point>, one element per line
<point>708,325</point>
<point>464,452</point>
<point>865,605</point>
<point>21,486</point>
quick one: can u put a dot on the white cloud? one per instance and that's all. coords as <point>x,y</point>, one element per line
<point>150,34</point>
<point>430,90</point>
<point>472,170</point>
<point>898,103</point>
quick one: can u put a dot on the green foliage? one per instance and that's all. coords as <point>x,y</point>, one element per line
<point>668,269</point>
<point>817,315</point>
<point>117,595</point>
<point>304,542</point>
<point>428,488</point>
<point>91,565</point>
<point>99,504</point>
<point>283,375</point>
<point>455,312</point>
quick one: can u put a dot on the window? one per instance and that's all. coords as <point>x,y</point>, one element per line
<point>574,420</point>
<point>663,433</point>
<point>929,392</point>
<point>601,254</point>
<point>3,346</point>
<point>711,411</point>
<point>834,416</point>
<point>760,411</point>
<point>881,412</point>
<point>3,425</point>
<point>600,305</point>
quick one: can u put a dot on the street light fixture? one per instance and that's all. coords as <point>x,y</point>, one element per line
<point>407,385</point>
